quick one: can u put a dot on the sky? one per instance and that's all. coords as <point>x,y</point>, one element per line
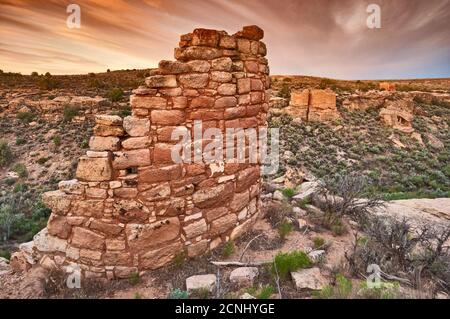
<point>327,38</point>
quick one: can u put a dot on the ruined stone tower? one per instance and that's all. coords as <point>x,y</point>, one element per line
<point>131,207</point>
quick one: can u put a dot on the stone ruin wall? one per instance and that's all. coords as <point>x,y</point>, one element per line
<point>314,105</point>
<point>131,208</point>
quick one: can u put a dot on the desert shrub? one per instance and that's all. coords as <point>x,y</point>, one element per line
<point>47,82</point>
<point>341,290</point>
<point>228,249</point>
<point>20,141</point>
<point>20,188</point>
<point>285,91</point>
<point>385,290</point>
<point>410,253</point>
<point>21,170</point>
<point>265,292</point>
<point>288,193</point>
<point>6,155</point>
<point>25,117</point>
<point>284,229</point>
<point>5,254</point>
<point>342,195</point>
<point>201,293</point>
<point>178,294</point>
<point>57,140</point>
<point>70,112</point>
<point>134,278</point>
<point>278,213</point>
<point>7,220</point>
<point>319,243</point>
<point>115,94</point>
<point>43,160</point>
<point>179,259</point>
<point>285,263</point>
<point>34,73</point>
<point>84,144</point>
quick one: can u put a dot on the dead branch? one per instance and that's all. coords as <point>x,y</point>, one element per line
<point>240,264</point>
<point>248,245</point>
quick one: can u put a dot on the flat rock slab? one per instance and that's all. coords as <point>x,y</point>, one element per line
<point>194,283</point>
<point>244,276</point>
<point>309,279</point>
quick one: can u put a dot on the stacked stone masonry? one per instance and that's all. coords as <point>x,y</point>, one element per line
<point>313,105</point>
<point>131,207</point>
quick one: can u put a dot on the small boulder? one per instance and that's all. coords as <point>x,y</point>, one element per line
<point>244,276</point>
<point>207,282</point>
<point>309,279</point>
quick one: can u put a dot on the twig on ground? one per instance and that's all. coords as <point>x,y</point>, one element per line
<point>248,245</point>
<point>240,264</point>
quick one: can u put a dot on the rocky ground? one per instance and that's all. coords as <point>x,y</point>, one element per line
<point>45,123</point>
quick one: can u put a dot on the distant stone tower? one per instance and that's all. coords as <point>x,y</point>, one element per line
<point>131,207</point>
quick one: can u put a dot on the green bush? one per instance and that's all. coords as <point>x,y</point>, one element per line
<point>20,141</point>
<point>285,91</point>
<point>266,292</point>
<point>285,263</point>
<point>57,140</point>
<point>178,294</point>
<point>284,229</point>
<point>228,249</point>
<point>21,170</point>
<point>341,290</point>
<point>319,243</point>
<point>179,259</point>
<point>47,83</point>
<point>5,254</point>
<point>288,192</point>
<point>25,117</point>
<point>6,155</point>
<point>134,278</point>
<point>70,112</point>
<point>115,94</point>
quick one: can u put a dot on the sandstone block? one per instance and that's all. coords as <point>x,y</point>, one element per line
<point>173,67</point>
<point>205,37</point>
<point>195,283</point>
<point>141,238</point>
<point>244,85</point>
<point>309,279</point>
<point>213,196</point>
<point>173,117</point>
<point>98,143</point>
<point>227,89</point>
<point>220,76</point>
<point>159,257</point>
<point>162,174</point>
<point>252,32</point>
<point>194,80</point>
<point>83,238</point>
<point>133,143</point>
<point>196,229</point>
<point>197,249</point>
<point>227,42</point>
<point>109,120</point>
<point>222,64</point>
<point>244,276</point>
<point>197,53</point>
<point>94,169</point>
<point>161,81</point>
<point>104,130</point>
<point>199,66</point>
<point>132,158</point>
<point>223,224</point>
<point>136,127</point>
<point>148,102</point>
<point>58,226</point>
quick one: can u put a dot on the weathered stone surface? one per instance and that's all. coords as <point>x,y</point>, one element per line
<point>99,143</point>
<point>162,174</point>
<point>196,228</point>
<point>200,282</point>
<point>194,80</point>
<point>247,178</point>
<point>220,76</point>
<point>240,200</point>
<point>58,226</point>
<point>159,257</point>
<point>223,224</point>
<point>173,117</point>
<point>213,196</point>
<point>197,249</point>
<point>205,37</point>
<point>309,279</point>
<point>156,193</point>
<point>173,67</point>
<point>161,81</point>
<point>144,237</point>
<point>227,89</point>
<point>148,102</point>
<point>199,66</point>
<point>104,130</point>
<point>196,53</point>
<point>399,115</point>
<point>44,242</point>
<point>133,143</point>
<point>133,158</point>
<point>136,127</point>
<point>106,228</point>
<point>94,169</point>
<point>222,64</point>
<point>109,120</point>
<point>84,238</point>
<point>244,276</point>
<point>252,32</point>
<point>57,201</point>
<point>225,102</point>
